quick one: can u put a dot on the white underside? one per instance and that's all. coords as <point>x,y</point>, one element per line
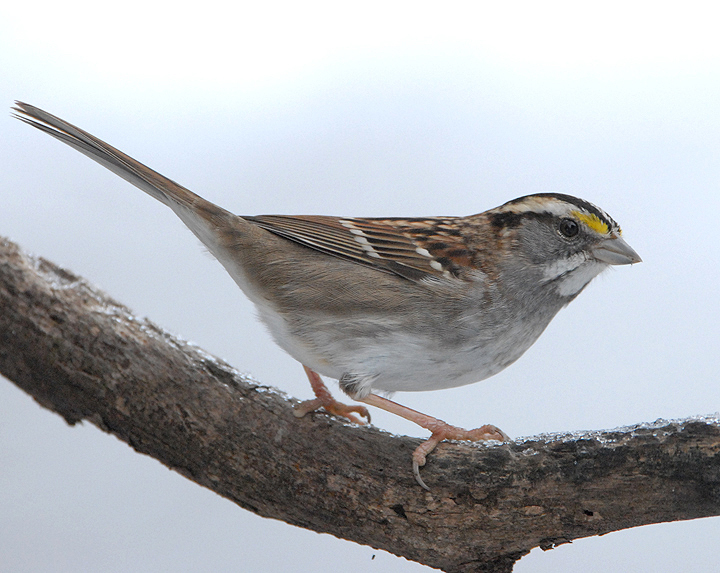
<point>405,361</point>
<point>402,361</point>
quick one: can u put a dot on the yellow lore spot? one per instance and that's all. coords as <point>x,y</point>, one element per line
<point>592,221</point>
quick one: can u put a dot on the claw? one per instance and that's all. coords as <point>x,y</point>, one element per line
<point>416,472</point>
<point>440,431</point>
<point>325,400</point>
<point>444,431</point>
<point>334,407</point>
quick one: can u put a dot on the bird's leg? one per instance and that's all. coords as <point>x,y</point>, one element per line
<point>323,399</point>
<point>440,430</point>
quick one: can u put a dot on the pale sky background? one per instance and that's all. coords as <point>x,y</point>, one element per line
<point>374,109</point>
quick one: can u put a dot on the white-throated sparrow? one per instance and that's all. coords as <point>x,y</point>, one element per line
<point>393,304</point>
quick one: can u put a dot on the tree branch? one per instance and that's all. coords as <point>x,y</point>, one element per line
<point>86,357</point>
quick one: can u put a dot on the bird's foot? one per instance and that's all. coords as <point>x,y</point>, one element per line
<point>440,431</point>
<point>323,399</point>
<point>334,407</point>
<point>444,431</point>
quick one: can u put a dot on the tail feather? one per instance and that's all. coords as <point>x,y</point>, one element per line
<point>153,183</point>
<point>203,218</point>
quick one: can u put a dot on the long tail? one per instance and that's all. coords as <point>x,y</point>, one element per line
<point>200,215</point>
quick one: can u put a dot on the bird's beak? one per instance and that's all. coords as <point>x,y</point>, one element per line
<point>615,251</point>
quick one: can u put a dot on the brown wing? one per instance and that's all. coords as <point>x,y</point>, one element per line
<point>412,248</point>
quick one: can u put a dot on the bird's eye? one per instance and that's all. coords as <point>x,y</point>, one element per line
<point>568,228</point>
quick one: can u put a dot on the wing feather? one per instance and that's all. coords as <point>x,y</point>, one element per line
<point>414,248</point>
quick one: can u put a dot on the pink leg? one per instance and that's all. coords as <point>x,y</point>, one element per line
<point>440,430</point>
<point>323,399</point>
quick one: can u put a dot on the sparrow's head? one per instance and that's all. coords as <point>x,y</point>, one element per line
<point>567,240</point>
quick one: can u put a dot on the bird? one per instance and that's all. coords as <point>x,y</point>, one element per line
<point>392,304</point>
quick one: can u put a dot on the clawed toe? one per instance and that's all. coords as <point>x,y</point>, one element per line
<point>340,409</point>
<point>333,407</point>
<point>325,400</point>
<point>416,473</point>
<point>481,434</point>
<point>443,431</point>
<point>440,431</point>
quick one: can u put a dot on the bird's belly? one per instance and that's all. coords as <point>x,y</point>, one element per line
<point>410,363</point>
<point>381,356</point>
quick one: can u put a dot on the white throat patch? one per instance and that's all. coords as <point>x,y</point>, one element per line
<point>571,275</point>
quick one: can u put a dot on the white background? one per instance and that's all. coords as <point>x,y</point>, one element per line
<point>396,109</point>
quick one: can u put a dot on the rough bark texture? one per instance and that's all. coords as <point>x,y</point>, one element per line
<point>86,357</point>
